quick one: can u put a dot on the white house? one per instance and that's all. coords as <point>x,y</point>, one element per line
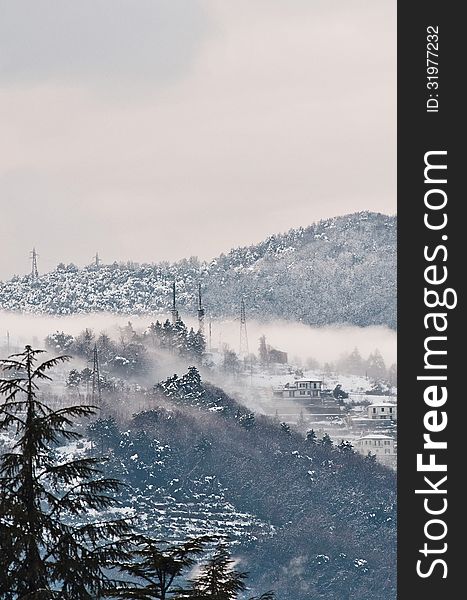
<point>380,445</point>
<point>382,410</point>
<point>300,389</point>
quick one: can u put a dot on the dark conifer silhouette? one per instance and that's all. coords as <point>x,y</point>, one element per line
<point>158,566</point>
<point>49,547</point>
<point>219,580</point>
<point>326,441</point>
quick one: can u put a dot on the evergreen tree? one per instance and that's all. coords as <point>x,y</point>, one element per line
<point>246,420</point>
<point>195,344</point>
<point>84,344</point>
<point>59,341</point>
<point>170,387</point>
<point>326,441</point>
<point>376,368</point>
<point>339,393</point>
<point>199,344</point>
<point>74,379</point>
<point>134,358</point>
<point>106,348</point>
<point>218,580</point>
<point>345,447</point>
<point>167,335</point>
<point>190,343</point>
<point>154,332</point>
<point>48,546</point>
<point>231,362</point>
<point>128,334</point>
<point>158,566</point>
<point>86,375</point>
<point>180,337</point>
<point>311,436</point>
<point>189,387</point>
<point>285,428</point>
<point>355,363</point>
<point>370,459</point>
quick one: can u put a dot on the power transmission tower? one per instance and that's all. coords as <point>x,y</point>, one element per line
<point>201,312</point>
<point>96,378</point>
<point>243,331</point>
<point>175,316</point>
<point>34,270</point>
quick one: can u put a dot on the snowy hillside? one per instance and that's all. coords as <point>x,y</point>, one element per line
<point>196,465</point>
<point>342,270</point>
<point>196,461</point>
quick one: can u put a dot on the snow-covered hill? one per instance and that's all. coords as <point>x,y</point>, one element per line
<point>195,465</point>
<point>341,270</point>
<point>196,461</point>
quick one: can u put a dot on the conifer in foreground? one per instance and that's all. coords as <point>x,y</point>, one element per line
<point>157,567</point>
<point>49,547</point>
<point>219,580</point>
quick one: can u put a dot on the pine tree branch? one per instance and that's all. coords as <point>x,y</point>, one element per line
<point>49,364</point>
<point>80,467</point>
<point>7,364</point>
<point>11,387</point>
<point>10,418</point>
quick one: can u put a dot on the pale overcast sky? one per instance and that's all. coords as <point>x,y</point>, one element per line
<point>156,129</point>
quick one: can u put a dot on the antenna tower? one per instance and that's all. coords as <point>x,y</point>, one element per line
<point>201,311</point>
<point>34,271</point>
<point>97,260</point>
<point>175,316</point>
<point>243,331</point>
<point>96,378</point>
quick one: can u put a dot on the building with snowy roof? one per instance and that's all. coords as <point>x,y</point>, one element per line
<point>301,389</point>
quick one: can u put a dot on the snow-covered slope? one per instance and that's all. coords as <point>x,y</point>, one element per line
<point>193,464</point>
<point>341,270</point>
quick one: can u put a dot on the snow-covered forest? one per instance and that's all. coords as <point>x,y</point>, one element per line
<point>342,270</point>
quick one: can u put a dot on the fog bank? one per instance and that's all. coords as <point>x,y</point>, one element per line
<point>325,344</point>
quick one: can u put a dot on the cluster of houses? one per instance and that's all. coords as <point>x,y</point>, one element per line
<point>368,427</point>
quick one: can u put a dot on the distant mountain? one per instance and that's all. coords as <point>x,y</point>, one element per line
<point>341,270</point>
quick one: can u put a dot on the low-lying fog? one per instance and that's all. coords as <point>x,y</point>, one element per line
<point>325,344</point>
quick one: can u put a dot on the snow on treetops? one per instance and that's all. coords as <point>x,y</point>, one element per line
<point>335,260</point>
